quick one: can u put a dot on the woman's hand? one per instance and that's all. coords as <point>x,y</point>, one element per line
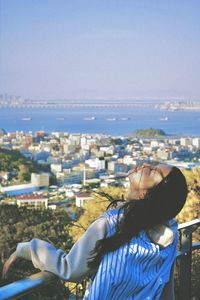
<point>8,264</point>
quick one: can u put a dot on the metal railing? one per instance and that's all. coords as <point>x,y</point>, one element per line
<point>35,282</point>
<point>26,286</point>
<point>184,257</point>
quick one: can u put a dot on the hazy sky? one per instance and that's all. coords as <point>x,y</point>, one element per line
<point>100,48</point>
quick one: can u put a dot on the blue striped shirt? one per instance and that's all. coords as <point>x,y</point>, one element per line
<point>137,270</point>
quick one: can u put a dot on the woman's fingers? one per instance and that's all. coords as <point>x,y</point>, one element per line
<point>8,264</point>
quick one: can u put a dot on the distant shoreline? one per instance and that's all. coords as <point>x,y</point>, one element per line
<point>162,137</point>
<point>168,105</point>
<point>96,106</point>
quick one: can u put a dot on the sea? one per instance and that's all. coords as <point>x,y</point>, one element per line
<point>110,121</point>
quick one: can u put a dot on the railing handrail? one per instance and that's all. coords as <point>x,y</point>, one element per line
<point>26,286</point>
<point>195,222</point>
<point>31,284</point>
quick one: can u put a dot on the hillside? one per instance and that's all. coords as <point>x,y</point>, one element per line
<point>20,167</point>
<point>150,132</point>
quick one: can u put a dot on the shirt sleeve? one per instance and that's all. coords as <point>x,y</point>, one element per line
<point>72,266</point>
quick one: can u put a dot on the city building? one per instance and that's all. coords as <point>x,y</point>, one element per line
<point>19,189</point>
<point>40,180</point>
<point>32,201</point>
<point>196,142</point>
<point>56,168</point>
<point>82,199</point>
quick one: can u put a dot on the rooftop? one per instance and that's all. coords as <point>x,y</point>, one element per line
<point>83,195</point>
<point>30,197</point>
<point>17,187</point>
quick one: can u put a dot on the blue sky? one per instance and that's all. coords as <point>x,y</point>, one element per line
<point>106,49</point>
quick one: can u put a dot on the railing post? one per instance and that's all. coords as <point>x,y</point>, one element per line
<point>185,264</point>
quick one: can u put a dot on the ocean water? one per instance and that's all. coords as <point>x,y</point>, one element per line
<point>115,121</point>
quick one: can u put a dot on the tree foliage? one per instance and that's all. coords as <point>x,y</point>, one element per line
<point>13,161</point>
<point>22,224</point>
<point>93,209</point>
<point>150,132</point>
<point>191,208</point>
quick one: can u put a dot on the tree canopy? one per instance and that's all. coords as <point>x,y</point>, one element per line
<point>150,132</point>
<point>94,208</point>
<point>191,209</point>
<point>22,224</point>
<point>13,161</point>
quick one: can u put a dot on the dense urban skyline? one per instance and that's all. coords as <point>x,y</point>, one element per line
<point>100,49</point>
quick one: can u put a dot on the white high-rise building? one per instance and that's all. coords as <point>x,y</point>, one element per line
<point>56,168</point>
<point>196,142</point>
<point>185,141</point>
<point>101,164</point>
<point>40,180</point>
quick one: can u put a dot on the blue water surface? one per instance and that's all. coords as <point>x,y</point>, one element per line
<point>115,121</point>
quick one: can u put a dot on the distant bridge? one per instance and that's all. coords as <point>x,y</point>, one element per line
<point>172,104</point>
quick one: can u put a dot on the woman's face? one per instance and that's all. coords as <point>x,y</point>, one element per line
<point>144,178</point>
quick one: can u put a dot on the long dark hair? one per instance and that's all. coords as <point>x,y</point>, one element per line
<point>159,205</point>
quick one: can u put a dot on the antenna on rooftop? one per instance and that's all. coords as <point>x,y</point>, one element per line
<point>84,175</point>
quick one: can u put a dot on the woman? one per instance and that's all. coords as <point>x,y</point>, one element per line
<point>129,251</point>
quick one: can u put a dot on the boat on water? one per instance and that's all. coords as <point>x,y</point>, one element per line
<point>173,108</point>
<point>164,119</point>
<point>111,119</point>
<point>89,118</point>
<point>26,119</point>
<point>124,119</point>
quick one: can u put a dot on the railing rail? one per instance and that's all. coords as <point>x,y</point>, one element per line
<point>37,281</point>
<point>26,286</point>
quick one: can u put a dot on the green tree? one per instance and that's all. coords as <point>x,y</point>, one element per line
<point>191,208</point>
<point>24,173</point>
<point>22,224</point>
<point>93,209</point>
<point>150,132</point>
<point>13,161</point>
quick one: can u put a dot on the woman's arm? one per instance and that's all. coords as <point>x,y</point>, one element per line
<point>70,267</point>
